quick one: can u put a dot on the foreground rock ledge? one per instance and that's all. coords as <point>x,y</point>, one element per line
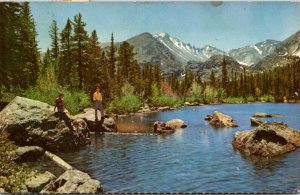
<point>219,119</point>
<point>108,124</point>
<point>31,122</point>
<point>268,139</point>
<point>74,181</point>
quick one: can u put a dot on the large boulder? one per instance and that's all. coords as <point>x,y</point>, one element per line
<point>255,121</point>
<point>37,182</point>
<point>74,181</point>
<point>176,123</point>
<point>107,124</point>
<point>31,122</point>
<point>219,119</point>
<point>268,139</point>
<point>28,153</point>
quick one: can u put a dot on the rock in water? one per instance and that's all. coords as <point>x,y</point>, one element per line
<point>266,115</point>
<point>168,127</point>
<point>268,139</point>
<point>162,128</point>
<point>37,182</point>
<point>208,117</point>
<point>219,119</point>
<point>32,122</point>
<point>29,153</point>
<point>255,121</point>
<point>176,123</point>
<point>107,124</point>
<point>74,181</point>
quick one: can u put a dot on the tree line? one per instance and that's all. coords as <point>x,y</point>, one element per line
<point>76,61</point>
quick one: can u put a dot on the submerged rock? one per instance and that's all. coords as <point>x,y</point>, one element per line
<point>107,124</point>
<point>37,182</point>
<point>28,153</point>
<point>74,181</point>
<point>266,115</point>
<point>256,122</point>
<point>268,139</point>
<point>31,122</point>
<point>219,119</point>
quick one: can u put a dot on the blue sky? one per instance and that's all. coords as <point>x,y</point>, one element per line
<point>227,26</point>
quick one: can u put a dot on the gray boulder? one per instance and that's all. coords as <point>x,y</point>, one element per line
<point>31,122</point>
<point>28,153</point>
<point>176,123</point>
<point>74,181</point>
<point>219,119</point>
<point>268,139</point>
<point>107,124</point>
<point>37,182</point>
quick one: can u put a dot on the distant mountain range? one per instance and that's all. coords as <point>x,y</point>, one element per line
<point>175,56</point>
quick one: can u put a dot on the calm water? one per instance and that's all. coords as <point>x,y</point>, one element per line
<point>196,159</point>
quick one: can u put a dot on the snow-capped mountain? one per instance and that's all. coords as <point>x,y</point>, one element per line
<point>290,46</point>
<point>252,54</point>
<point>185,51</point>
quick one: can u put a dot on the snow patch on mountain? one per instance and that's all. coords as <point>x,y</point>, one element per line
<point>185,51</point>
<point>258,50</point>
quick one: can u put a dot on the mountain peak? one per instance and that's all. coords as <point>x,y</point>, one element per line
<point>161,34</point>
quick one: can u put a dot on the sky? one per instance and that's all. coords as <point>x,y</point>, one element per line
<point>225,25</point>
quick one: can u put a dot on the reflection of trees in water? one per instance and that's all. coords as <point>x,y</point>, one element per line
<point>135,124</point>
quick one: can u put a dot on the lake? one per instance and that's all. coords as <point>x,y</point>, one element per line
<point>198,158</point>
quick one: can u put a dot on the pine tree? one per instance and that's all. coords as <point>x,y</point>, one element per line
<point>46,77</point>
<point>29,54</point>
<point>92,70</point>
<point>224,75</point>
<point>112,58</point>
<point>54,45</point>
<point>127,65</point>
<point>213,79</point>
<point>65,59</point>
<point>79,48</point>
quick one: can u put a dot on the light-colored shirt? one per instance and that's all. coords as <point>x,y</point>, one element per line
<point>97,96</point>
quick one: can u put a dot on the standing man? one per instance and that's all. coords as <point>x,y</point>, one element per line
<point>97,98</point>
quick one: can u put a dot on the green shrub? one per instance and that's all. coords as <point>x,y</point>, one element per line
<point>195,91</point>
<point>234,100</point>
<point>13,175</point>
<point>210,95</point>
<point>75,101</point>
<point>267,98</point>
<point>191,99</point>
<point>221,95</point>
<point>251,99</point>
<point>164,101</point>
<point>125,104</point>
